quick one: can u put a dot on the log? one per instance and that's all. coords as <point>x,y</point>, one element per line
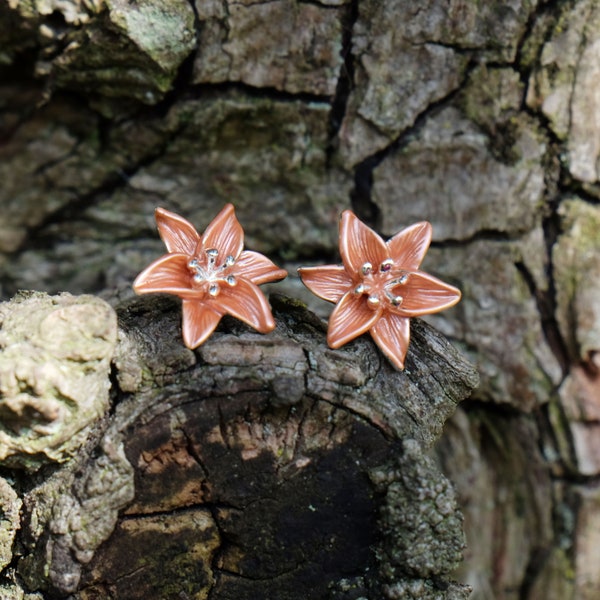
<point>254,467</point>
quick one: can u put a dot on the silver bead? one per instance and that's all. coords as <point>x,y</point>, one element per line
<point>386,265</point>
<point>373,301</point>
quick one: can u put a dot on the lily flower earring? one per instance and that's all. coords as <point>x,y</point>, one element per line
<point>211,273</point>
<point>379,286</point>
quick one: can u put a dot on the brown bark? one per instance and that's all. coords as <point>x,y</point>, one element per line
<point>255,467</point>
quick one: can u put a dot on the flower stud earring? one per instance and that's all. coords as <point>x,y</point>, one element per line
<point>211,273</point>
<point>379,286</point>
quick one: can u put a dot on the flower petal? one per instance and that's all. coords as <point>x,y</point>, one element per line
<point>258,268</point>
<point>199,321</point>
<point>246,302</point>
<point>178,234</point>
<point>329,282</point>
<point>424,294</point>
<point>359,244</point>
<point>392,334</point>
<point>350,318</point>
<point>408,247</point>
<point>224,233</point>
<point>168,275</point>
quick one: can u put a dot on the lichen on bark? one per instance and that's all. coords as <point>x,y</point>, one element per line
<point>109,49</point>
<point>55,355</point>
<point>563,86</point>
<point>10,521</point>
<point>427,539</point>
<point>576,260</point>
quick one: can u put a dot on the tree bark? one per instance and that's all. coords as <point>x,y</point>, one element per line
<point>255,467</point>
<point>479,117</point>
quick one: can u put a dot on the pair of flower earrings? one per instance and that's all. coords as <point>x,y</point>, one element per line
<point>377,288</point>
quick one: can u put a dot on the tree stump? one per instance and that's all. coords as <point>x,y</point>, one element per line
<point>256,466</point>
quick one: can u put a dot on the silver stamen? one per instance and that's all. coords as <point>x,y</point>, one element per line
<point>398,281</point>
<point>212,254</point>
<point>359,289</point>
<point>386,265</point>
<point>397,300</point>
<point>367,268</point>
<point>373,301</point>
<point>214,289</point>
<point>231,280</point>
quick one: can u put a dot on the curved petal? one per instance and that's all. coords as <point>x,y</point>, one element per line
<point>167,275</point>
<point>258,268</point>
<point>424,294</point>
<point>199,321</point>
<point>350,318</point>
<point>392,334</point>
<point>246,302</point>
<point>178,234</point>
<point>409,246</point>
<point>224,233</point>
<point>329,282</point>
<point>359,244</point>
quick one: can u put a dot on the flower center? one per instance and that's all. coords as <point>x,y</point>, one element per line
<point>209,274</point>
<point>379,285</point>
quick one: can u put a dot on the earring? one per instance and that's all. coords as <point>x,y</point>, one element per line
<point>379,286</point>
<point>211,273</point>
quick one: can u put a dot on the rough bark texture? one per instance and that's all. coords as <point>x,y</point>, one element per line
<point>255,467</point>
<point>479,116</point>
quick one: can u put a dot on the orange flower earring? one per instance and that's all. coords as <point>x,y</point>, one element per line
<point>212,274</point>
<point>379,286</point>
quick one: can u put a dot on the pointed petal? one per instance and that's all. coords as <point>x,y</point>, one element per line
<point>359,244</point>
<point>167,275</point>
<point>258,268</point>
<point>408,247</point>
<point>329,282</point>
<point>350,318</point>
<point>246,302</point>
<point>199,321</point>
<point>178,234</point>
<point>224,233</point>
<point>424,294</point>
<point>392,334</point>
